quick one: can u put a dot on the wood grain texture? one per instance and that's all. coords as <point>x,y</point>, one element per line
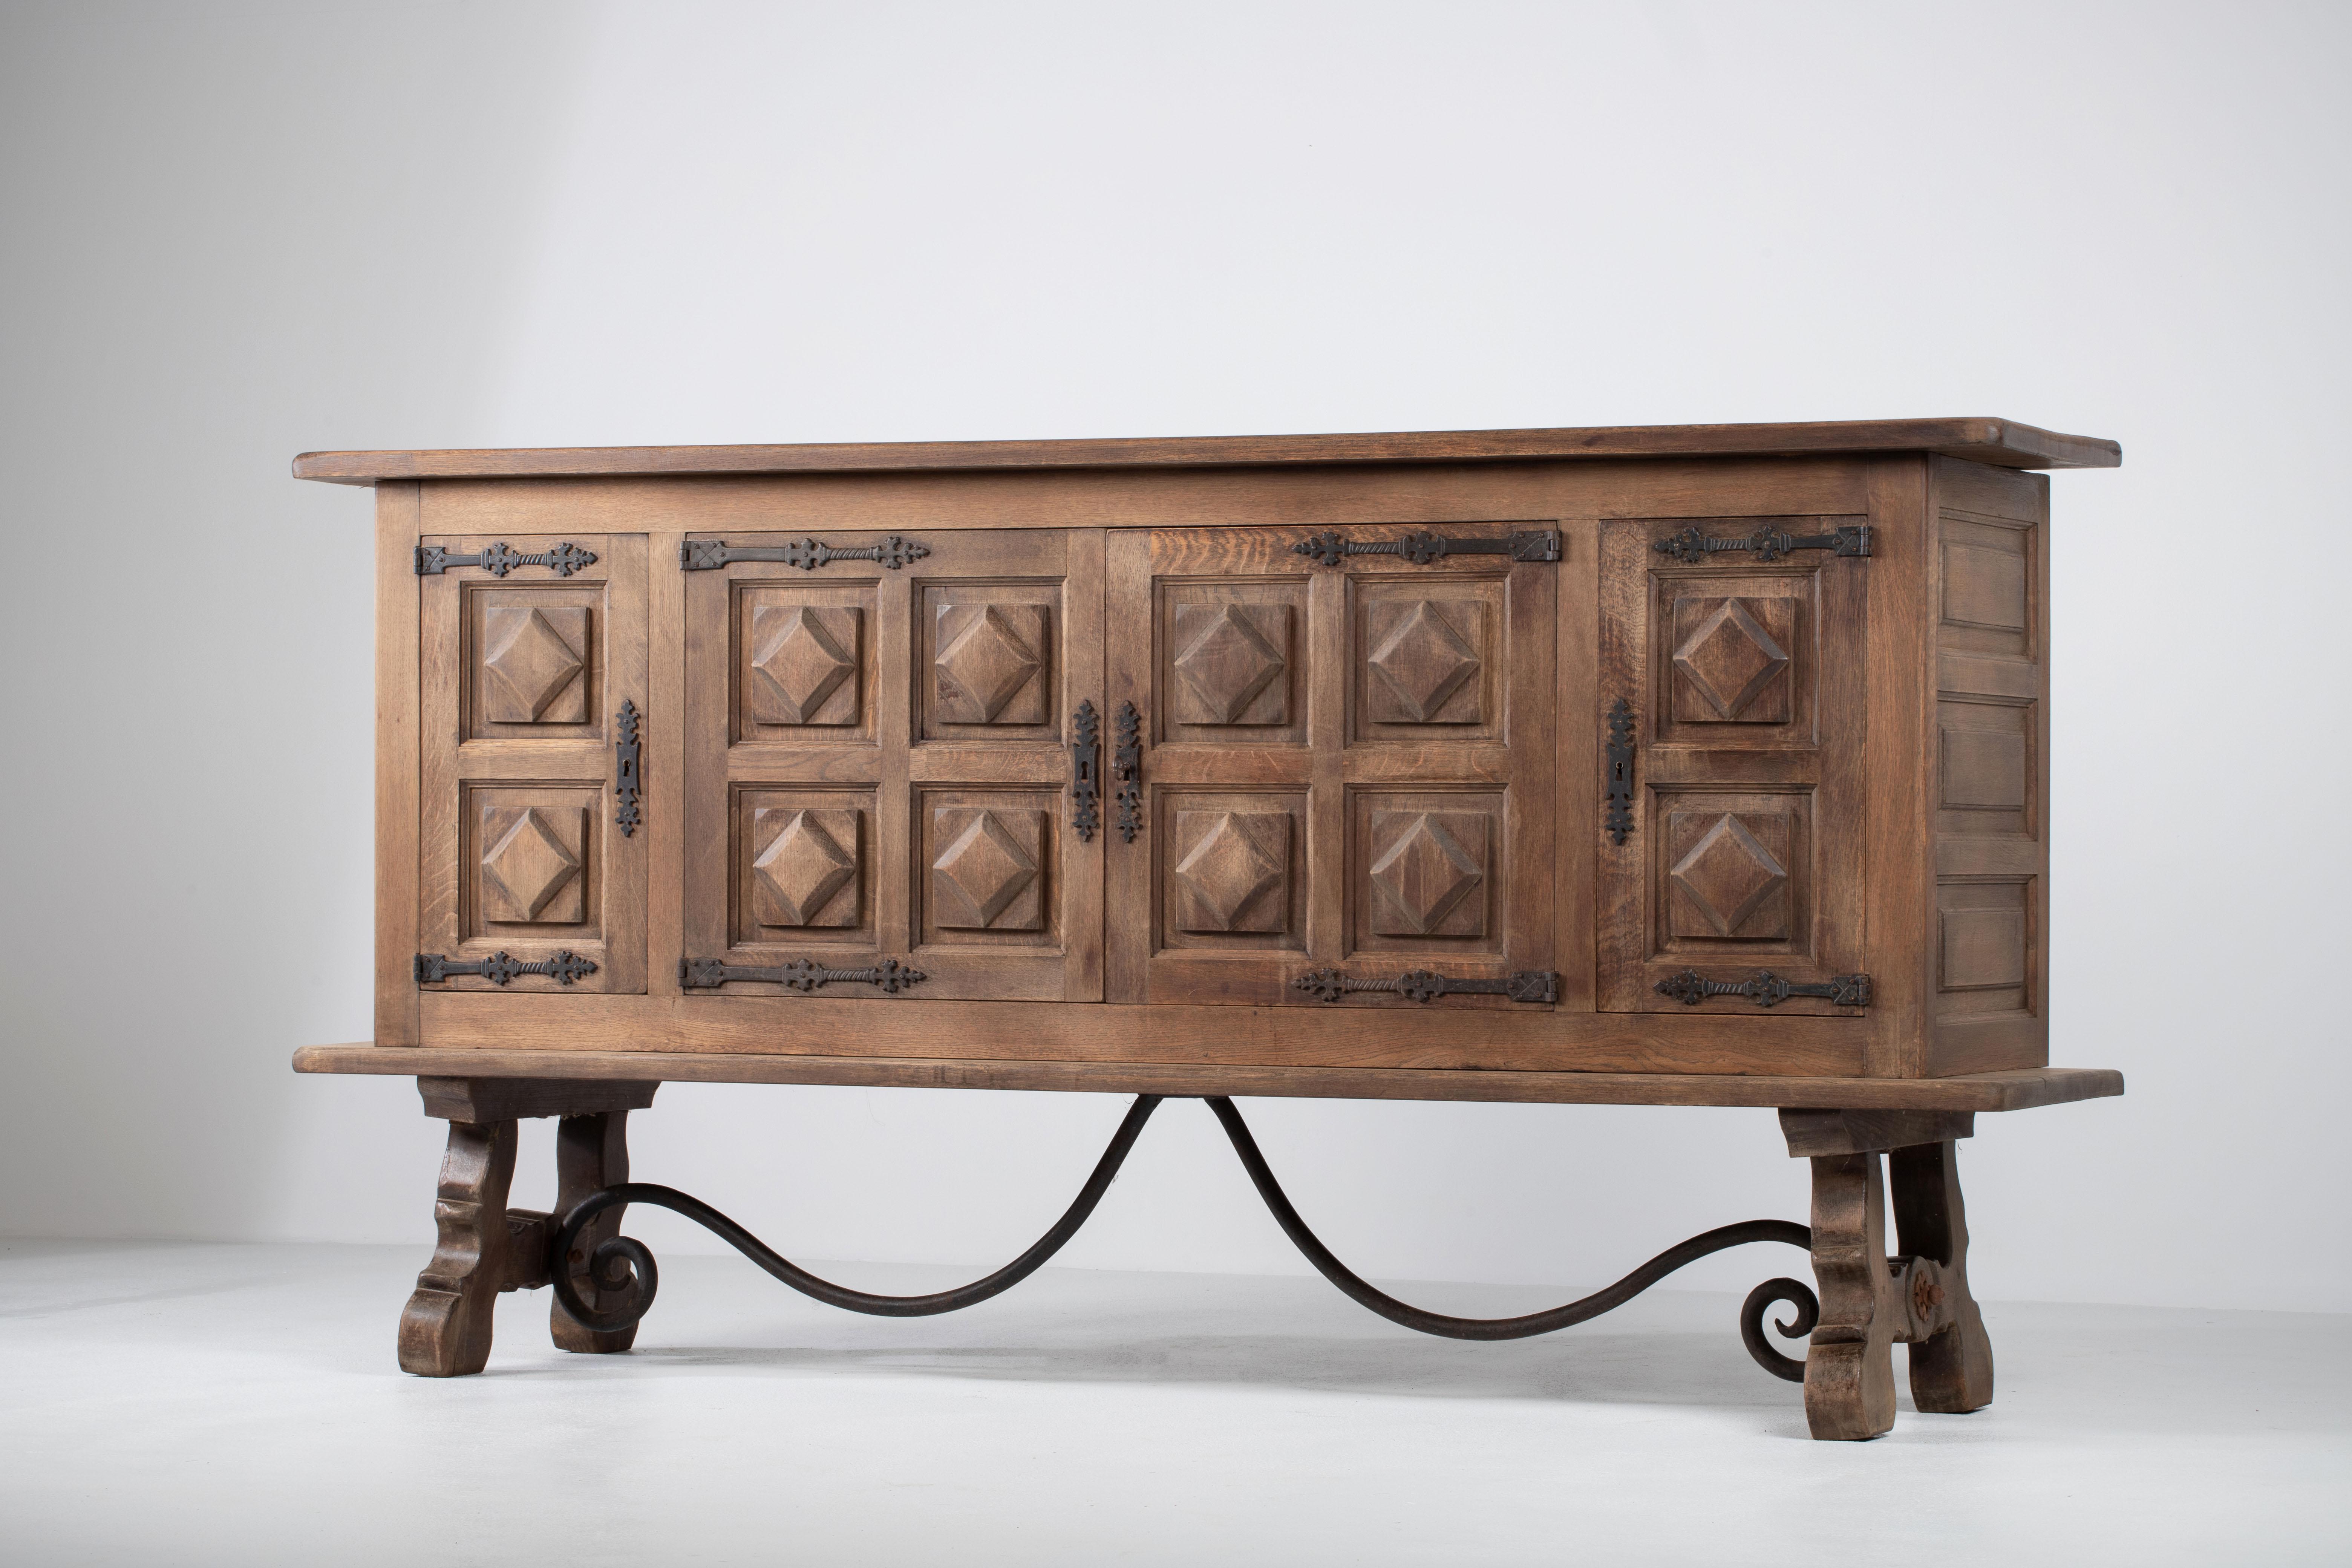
<point>503,1098</point>
<point>398,525</point>
<point>1987,440</point>
<point>2019,1090</point>
<point>445,1330</point>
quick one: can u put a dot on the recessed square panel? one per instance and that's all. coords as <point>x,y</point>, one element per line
<point>1729,874</point>
<point>1425,869</point>
<point>529,858</point>
<point>804,663</point>
<point>1231,661</point>
<point>805,863</point>
<point>802,869</point>
<point>1425,660</point>
<point>1732,659</point>
<point>986,866</point>
<point>1985,766</point>
<point>532,663</point>
<point>986,663</point>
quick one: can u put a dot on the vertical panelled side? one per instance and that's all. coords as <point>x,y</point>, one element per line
<point>1989,790</point>
<point>1900,894</point>
<point>398,517</point>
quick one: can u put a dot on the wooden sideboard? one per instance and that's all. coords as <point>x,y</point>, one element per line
<point>1668,764</point>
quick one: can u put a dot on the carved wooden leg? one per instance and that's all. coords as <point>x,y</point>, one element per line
<point>1850,1364</point>
<point>591,1153</point>
<point>1951,1367</point>
<point>445,1330</point>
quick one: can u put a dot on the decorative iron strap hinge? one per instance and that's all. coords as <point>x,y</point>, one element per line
<point>432,559</point>
<point>1426,548</point>
<point>1426,986</point>
<point>808,554</point>
<point>1767,544</point>
<point>799,974</point>
<point>627,755</point>
<point>1767,989</point>
<point>1620,821</point>
<point>1127,766</point>
<point>499,969</point>
<point>1085,760</point>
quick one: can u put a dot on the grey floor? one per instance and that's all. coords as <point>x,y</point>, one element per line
<point>238,1405</point>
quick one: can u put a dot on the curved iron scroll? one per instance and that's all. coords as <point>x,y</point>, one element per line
<point>624,1266</point>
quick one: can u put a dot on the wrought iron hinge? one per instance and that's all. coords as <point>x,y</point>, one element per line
<point>799,974</point>
<point>1426,986</point>
<point>808,554</point>
<point>1767,989</point>
<point>1424,548</point>
<point>1086,759</point>
<point>1620,821</point>
<point>499,969</point>
<point>1127,766</point>
<point>1767,544</point>
<point>432,559</point>
<point>625,758</point>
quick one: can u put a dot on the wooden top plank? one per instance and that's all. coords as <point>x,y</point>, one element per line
<point>2019,1090</point>
<point>2002,442</point>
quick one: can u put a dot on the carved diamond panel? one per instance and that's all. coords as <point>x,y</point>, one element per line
<point>533,656</point>
<point>1425,660</point>
<point>1429,871</point>
<point>1732,882</point>
<point>1232,664</point>
<point>1731,660</point>
<point>804,664</point>
<point>1233,870</point>
<point>989,666</point>
<point>530,870</point>
<point>985,875</point>
<point>806,874</point>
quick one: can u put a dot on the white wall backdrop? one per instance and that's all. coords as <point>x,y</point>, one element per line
<point>231,232</point>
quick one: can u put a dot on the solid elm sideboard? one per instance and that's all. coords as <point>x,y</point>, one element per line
<point>1671,765</point>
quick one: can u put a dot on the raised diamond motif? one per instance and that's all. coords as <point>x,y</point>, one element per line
<point>801,870</point>
<point>797,661</point>
<point>984,662</point>
<point>1728,875</point>
<point>1425,872</point>
<point>1227,665</point>
<point>530,662</point>
<point>1227,873</point>
<point>525,869</point>
<point>981,872</point>
<point>1729,659</point>
<point>1419,662</point>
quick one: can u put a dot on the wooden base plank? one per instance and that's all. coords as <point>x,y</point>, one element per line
<point>2021,1089</point>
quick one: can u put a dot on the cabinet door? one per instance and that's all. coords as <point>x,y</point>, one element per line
<point>1346,769</point>
<point>878,763</point>
<point>1735,845</point>
<point>533,868</point>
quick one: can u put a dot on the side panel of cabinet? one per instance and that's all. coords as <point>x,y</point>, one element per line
<point>1343,766</point>
<point>1988,942</point>
<point>879,764</point>
<point>1744,687</point>
<point>527,846</point>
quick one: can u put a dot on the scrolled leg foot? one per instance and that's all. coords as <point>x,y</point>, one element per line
<point>445,1330</point>
<point>1952,1365</point>
<point>1850,1365</point>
